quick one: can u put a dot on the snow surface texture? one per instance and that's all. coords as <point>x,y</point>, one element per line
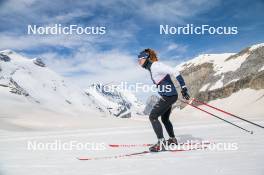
<point>204,87</point>
<point>218,84</point>
<point>261,69</point>
<point>188,123</point>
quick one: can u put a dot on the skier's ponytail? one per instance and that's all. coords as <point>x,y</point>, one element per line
<point>152,55</point>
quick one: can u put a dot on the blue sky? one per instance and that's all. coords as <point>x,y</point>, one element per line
<point>131,26</point>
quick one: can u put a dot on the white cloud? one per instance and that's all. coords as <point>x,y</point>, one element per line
<point>172,52</point>
<point>11,41</point>
<point>175,11</point>
<point>89,66</point>
<point>173,46</point>
<point>176,47</point>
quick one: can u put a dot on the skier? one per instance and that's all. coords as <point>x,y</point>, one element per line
<point>162,75</point>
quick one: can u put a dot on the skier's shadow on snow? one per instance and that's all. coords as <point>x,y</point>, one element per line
<point>187,137</point>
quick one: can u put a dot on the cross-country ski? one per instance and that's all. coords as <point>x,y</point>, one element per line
<point>149,144</point>
<point>200,147</point>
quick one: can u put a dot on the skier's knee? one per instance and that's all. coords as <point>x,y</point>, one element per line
<point>153,117</point>
<point>164,120</point>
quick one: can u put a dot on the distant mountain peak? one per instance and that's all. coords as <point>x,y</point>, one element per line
<point>256,46</point>
<point>213,76</point>
<point>114,101</point>
<point>8,52</point>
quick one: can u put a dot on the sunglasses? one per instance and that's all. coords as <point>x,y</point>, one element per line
<point>143,55</point>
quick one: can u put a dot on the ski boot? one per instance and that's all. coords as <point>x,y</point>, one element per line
<point>172,140</point>
<point>160,146</point>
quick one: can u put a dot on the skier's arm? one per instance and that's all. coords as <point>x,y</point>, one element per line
<point>184,89</point>
<point>180,80</point>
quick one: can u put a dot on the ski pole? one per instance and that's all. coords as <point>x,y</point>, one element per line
<point>251,132</point>
<point>227,113</point>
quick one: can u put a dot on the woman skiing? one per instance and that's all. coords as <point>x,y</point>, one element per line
<point>162,75</point>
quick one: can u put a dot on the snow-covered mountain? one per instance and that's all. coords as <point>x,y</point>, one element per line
<point>115,102</point>
<point>214,76</point>
<point>31,82</point>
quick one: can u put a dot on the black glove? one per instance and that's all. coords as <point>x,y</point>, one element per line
<point>185,94</point>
